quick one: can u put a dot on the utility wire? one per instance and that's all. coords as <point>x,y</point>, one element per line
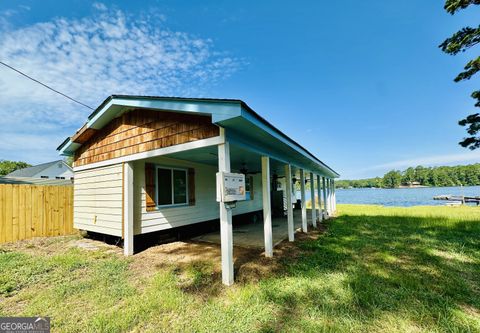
<point>46,86</point>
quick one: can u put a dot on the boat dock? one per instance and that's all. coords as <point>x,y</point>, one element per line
<point>457,199</point>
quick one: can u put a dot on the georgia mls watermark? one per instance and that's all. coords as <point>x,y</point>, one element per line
<point>24,325</point>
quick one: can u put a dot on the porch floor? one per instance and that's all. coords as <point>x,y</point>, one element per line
<point>251,235</point>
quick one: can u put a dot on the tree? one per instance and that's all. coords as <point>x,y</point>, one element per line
<point>9,166</point>
<point>392,179</point>
<point>408,176</point>
<point>467,175</point>
<point>69,160</point>
<point>460,42</point>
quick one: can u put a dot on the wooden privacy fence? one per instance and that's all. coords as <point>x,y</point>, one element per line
<point>28,211</point>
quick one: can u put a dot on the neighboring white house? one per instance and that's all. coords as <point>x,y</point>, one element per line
<point>51,170</point>
<point>144,164</point>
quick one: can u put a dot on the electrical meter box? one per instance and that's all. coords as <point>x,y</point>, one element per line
<point>230,187</point>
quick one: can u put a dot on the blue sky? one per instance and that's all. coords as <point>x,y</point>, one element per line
<point>362,85</point>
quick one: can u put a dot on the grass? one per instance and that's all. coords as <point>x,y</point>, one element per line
<point>375,269</point>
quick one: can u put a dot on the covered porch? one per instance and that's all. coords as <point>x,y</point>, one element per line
<point>250,235</point>
<point>282,174</point>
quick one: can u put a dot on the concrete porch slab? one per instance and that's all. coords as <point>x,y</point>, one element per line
<point>251,235</point>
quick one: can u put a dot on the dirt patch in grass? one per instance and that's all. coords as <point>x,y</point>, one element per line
<point>41,245</point>
<point>249,264</point>
<point>197,265</point>
<point>59,244</point>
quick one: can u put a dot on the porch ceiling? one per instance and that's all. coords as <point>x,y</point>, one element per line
<point>242,132</point>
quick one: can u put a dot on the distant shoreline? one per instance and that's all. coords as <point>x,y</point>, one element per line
<point>401,187</point>
<point>416,186</point>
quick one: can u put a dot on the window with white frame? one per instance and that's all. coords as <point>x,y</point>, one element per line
<point>171,186</point>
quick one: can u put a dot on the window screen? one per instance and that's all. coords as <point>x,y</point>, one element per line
<point>171,186</point>
<point>164,186</point>
<point>179,186</point>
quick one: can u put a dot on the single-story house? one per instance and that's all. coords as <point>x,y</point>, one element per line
<point>50,170</point>
<point>144,164</point>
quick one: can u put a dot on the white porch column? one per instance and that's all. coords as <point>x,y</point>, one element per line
<point>325,200</point>
<point>288,185</point>
<point>332,209</point>
<point>226,234</point>
<point>267,209</point>
<point>319,190</point>
<point>304,206</point>
<point>329,196</point>
<point>312,195</point>
<point>334,197</point>
<point>334,200</point>
<point>128,208</point>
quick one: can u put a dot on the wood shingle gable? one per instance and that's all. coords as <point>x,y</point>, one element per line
<point>142,130</point>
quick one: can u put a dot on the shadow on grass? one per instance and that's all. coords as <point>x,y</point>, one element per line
<point>368,267</point>
<point>364,273</point>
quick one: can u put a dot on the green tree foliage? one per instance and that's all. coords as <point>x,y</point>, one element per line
<point>69,160</point>
<point>359,183</point>
<point>461,41</point>
<point>392,179</point>
<point>467,175</point>
<point>9,166</point>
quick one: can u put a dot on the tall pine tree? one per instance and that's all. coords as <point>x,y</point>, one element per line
<point>460,42</point>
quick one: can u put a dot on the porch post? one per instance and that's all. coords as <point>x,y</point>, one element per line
<point>128,209</point>
<point>319,190</point>
<point>332,209</point>
<point>312,195</point>
<point>226,234</point>
<point>304,206</point>
<point>267,209</point>
<point>329,197</point>
<point>325,201</point>
<point>334,197</point>
<point>288,184</point>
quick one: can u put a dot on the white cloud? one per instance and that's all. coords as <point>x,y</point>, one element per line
<point>90,59</point>
<point>99,6</point>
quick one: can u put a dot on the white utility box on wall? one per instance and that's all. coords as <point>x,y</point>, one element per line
<point>230,187</point>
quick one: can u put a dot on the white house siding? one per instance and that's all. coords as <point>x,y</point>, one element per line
<point>98,200</point>
<point>206,207</point>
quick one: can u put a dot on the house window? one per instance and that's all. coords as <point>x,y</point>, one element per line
<point>59,177</point>
<point>43,176</point>
<point>248,188</point>
<point>172,186</point>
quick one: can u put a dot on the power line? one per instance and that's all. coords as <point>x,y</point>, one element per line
<point>46,86</point>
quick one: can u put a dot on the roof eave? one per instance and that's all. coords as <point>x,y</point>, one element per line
<point>68,147</point>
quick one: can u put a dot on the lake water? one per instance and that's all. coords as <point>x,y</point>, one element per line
<point>402,196</point>
<point>399,196</point>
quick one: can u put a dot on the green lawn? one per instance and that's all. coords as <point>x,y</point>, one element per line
<point>375,269</point>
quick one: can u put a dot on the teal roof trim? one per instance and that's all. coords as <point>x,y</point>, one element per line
<point>221,111</point>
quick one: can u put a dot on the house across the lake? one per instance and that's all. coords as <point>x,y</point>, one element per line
<point>144,164</point>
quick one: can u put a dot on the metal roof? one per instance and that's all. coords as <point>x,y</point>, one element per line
<point>33,170</point>
<point>34,181</point>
